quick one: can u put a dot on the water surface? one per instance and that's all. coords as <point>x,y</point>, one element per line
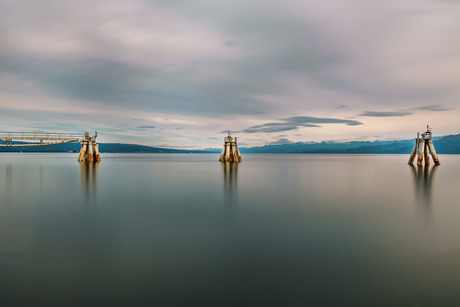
<point>186,230</point>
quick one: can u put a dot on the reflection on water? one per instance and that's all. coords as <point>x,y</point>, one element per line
<point>89,181</point>
<point>8,184</point>
<point>423,179</point>
<point>291,230</point>
<point>230,171</point>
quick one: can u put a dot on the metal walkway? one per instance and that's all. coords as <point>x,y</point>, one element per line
<point>38,138</point>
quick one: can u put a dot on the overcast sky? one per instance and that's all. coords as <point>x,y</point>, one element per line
<point>178,73</point>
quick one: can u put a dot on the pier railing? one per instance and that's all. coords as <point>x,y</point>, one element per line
<point>38,138</point>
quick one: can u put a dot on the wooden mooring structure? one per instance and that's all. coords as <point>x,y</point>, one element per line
<point>422,149</point>
<point>230,152</point>
<point>89,149</point>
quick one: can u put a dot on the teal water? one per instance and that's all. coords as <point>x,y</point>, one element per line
<point>186,230</point>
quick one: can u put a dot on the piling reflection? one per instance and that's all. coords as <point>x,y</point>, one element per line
<point>230,171</point>
<point>423,179</point>
<point>89,176</point>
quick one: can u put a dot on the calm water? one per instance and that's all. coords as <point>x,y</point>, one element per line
<point>186,230</point>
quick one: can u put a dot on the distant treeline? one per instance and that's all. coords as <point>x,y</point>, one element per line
<point>444,145</point>
<point>103,148</point>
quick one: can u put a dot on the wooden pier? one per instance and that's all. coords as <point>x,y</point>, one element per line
<point>26,139</point>
<point>89,148</point>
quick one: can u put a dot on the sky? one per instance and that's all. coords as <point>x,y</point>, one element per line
<point>180,73</point>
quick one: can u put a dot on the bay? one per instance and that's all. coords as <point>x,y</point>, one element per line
<point>186,230</point>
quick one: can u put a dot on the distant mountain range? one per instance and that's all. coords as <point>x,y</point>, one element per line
<point>103,148</point>
<point>444,145</point>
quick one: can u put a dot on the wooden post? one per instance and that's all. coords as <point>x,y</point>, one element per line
<point>227,152</point>
<point>426,152</point>
<point>238,155</point>
<point>90,156</point>
<point>97,156</point>
<point>222,155</point>
<point>82,155</point>
<point>420,152</point>
<point>234,156</point>
<point>414,151</point>
<point>433,153</point>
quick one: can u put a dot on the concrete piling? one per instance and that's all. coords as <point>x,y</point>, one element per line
<point>230,152</point>
<point>422,149</point>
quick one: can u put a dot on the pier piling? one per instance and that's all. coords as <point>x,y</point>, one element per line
<point>89,149</point>
<point>230,152</point>
<point>422,149</point>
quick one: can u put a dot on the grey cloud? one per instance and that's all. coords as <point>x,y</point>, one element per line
<point>433,108</point>
<point>143,89</point>
<point>280,45</point>
<point>272,46</point>
<point>272,127</point>
<point>302,120</point>
<point>146,127</point>
<point>292,123</point>
<point>385,114</point>
<point>231,43</point>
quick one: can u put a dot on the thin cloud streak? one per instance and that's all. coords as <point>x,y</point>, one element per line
<point>433,108</point>
<point>293,123</point>
<point>385,114</point>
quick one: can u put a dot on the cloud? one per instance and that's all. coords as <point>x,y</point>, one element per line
<point>161,57</point>
<point>385,114</point>
<point>196,57</point>
<point>433,108</point>
<point>146,127</point>
<point>131,32</point>
<point>295,122</point>
<point>219,62</point>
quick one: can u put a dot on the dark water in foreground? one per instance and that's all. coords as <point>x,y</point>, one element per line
<point>185,230</point>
